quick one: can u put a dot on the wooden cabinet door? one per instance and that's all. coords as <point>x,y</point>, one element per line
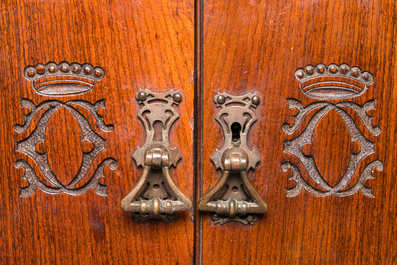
<point>139,45</point>
<point>326,67</point>
<point>257,46</point>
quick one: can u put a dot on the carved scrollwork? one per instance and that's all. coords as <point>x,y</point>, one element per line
<point>332,83</point>
<point>63,80</point>
<point>28,147</point>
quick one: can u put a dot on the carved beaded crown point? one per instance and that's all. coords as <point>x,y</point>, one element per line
<point>64,79</point>
<point>333,82</point>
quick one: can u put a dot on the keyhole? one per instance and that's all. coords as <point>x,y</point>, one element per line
<point>236,129</point>
<point>158,131</point>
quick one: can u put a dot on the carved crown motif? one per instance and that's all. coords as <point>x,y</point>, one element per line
<point>63,79</point>
<point>334,82</point>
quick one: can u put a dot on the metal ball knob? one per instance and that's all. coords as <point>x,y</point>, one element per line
<point>221,99</point>
<point>177,97</point>
<point>215,217</point>
<point>142,96</point>
<point>256,100</point>
<point>250,218</point>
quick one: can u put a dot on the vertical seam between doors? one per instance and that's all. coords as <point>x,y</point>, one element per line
<point>198,128</point>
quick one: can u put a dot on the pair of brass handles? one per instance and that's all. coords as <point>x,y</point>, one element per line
<point>156,196</point>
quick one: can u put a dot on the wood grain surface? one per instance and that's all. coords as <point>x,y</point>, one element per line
<point>257,46</point>
<point>240,47</point>
<point>139,44</point>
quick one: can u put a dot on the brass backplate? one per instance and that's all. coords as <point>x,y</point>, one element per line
<point>156,196</point>
<point>234,198</point>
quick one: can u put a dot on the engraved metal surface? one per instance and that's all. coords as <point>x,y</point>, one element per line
<point>295,146</point>
<point>156,196</point>
<point>234,198</point>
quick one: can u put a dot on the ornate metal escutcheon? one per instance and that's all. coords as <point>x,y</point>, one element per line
<point>234,198</point>
<point>332,83</point>
<point>156,196</point>
<point>62,80</point>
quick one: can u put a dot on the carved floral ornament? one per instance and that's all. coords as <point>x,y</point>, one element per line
<point>332,83</point>
<point>62,80</point>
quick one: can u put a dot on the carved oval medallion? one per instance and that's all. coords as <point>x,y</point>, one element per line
<point>331,147</point>
<point>63,145</point>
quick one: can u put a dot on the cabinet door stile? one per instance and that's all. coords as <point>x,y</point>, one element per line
<point>296,55</point>
<point>80,64</point>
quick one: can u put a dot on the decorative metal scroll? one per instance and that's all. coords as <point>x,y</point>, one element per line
<point>156,196</point>
<point>234,198</point>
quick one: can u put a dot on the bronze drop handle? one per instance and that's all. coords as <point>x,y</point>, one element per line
<point>156,196</point>
<point>234,198</point>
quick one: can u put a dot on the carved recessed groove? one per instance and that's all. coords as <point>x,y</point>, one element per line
<point>156,196</point>
<point>43,113</point>
<point>64,79</point>
<point>320,109</point>
<point>234,198</point>
<point>333,82</point>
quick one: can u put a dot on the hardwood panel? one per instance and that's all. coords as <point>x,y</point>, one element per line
<point>257,45</point>
<point>139,44</point>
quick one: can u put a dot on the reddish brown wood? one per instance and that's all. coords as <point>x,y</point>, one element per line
<point>257,46</point>
<point>248,46</point>
<point>139,44</point>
